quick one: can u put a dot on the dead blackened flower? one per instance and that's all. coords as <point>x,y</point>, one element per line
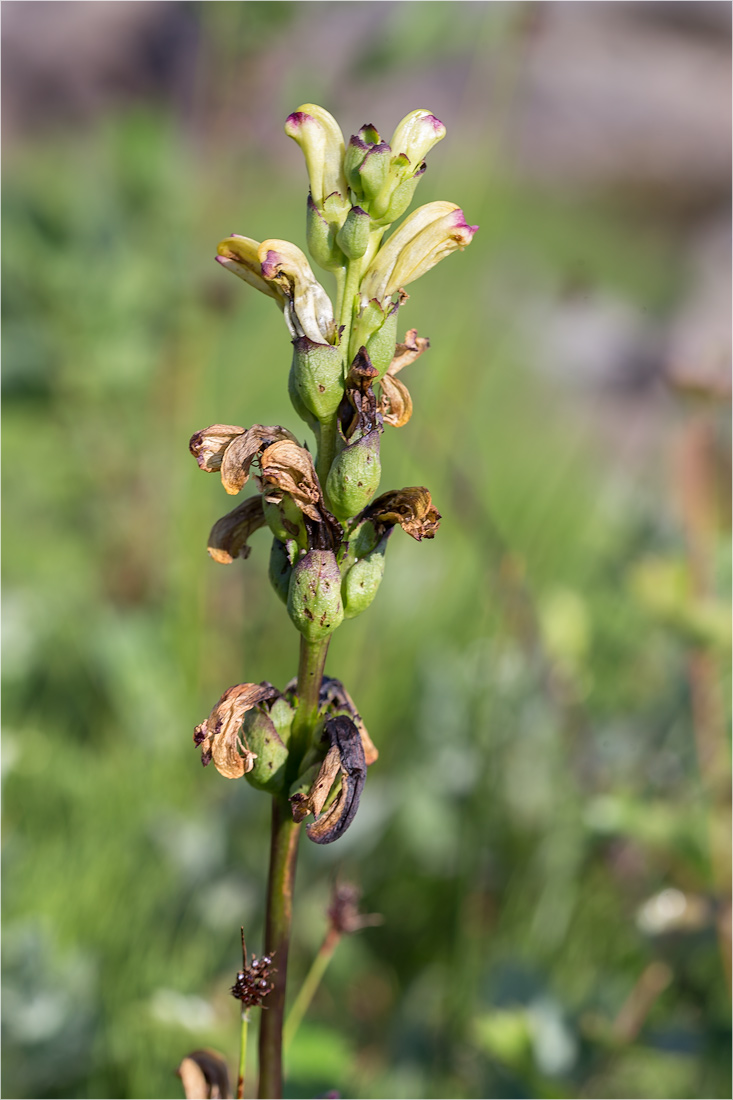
<point>344,762</point>
<point>334,699</point>
<point>220,735</point>
<point>412,508</point>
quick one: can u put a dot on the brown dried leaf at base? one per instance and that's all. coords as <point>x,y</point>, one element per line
<point>208,445</point>
<point>244,449</point>
<point>220,735</point>
<point>411,507</point>
<point>204,1076</point>
<point>229,536</point>
<point>288,468</point>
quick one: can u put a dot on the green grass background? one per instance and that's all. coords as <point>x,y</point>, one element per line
<point>537,779</point>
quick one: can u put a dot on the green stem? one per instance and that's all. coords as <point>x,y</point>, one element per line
<point>327,436</point>
<point>346,310</point>
<point>242,1054</point>
<point>310,985</point>
<point>281,879</point>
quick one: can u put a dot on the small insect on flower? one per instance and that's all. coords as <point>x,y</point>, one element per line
<point>253,982</point>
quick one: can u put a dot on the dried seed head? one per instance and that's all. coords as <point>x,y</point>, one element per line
<point>345,761</point>
<point>253,982</point>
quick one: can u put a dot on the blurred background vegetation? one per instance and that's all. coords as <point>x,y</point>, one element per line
<point>547,829</point>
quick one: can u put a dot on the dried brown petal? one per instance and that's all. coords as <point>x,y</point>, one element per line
<point>288,468</point>
<point>220,735</point>
<point>204,1076</point>
<point>408,352</point>
<point>208,445</point>
<point>395,403</point>
<point>358,408</point>
<point>412,508</point>
<point>244,449</point>
<point>332,699</point>
<point>229,535</point>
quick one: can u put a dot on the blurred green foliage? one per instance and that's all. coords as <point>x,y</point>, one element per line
<point>524,675</point>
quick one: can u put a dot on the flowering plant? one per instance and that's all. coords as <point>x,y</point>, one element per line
<point>306,745</point>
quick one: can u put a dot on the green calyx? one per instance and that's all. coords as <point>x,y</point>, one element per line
<point>267,735</point>
<point>360,584</point>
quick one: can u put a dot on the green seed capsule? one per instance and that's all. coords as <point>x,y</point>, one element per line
<point>360,584</point>
<point>268,773</point>
<point>280,569</point>
<point>314,596</point>
<point>354,476</point>
<point>353,237</point>
<point>317,377</point>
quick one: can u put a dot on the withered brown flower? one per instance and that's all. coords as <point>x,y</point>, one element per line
<point>288,468</point>
<point>229,536</point>
<point>395,402</point>
<point>411,507</point>
<point>220,735</point>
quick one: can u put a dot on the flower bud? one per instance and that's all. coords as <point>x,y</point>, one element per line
<point>354,476</point>
<point>366,163</point>
<point>320,234</point>
<point>398,199</point>
<point>268,743</point>
<point>353,237</point>
<point>319,136</point>
<point>314,597</point>
<point>416,135</point>
<point>280,568</point>
<point>359,586</point>
<point>317,377</point>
